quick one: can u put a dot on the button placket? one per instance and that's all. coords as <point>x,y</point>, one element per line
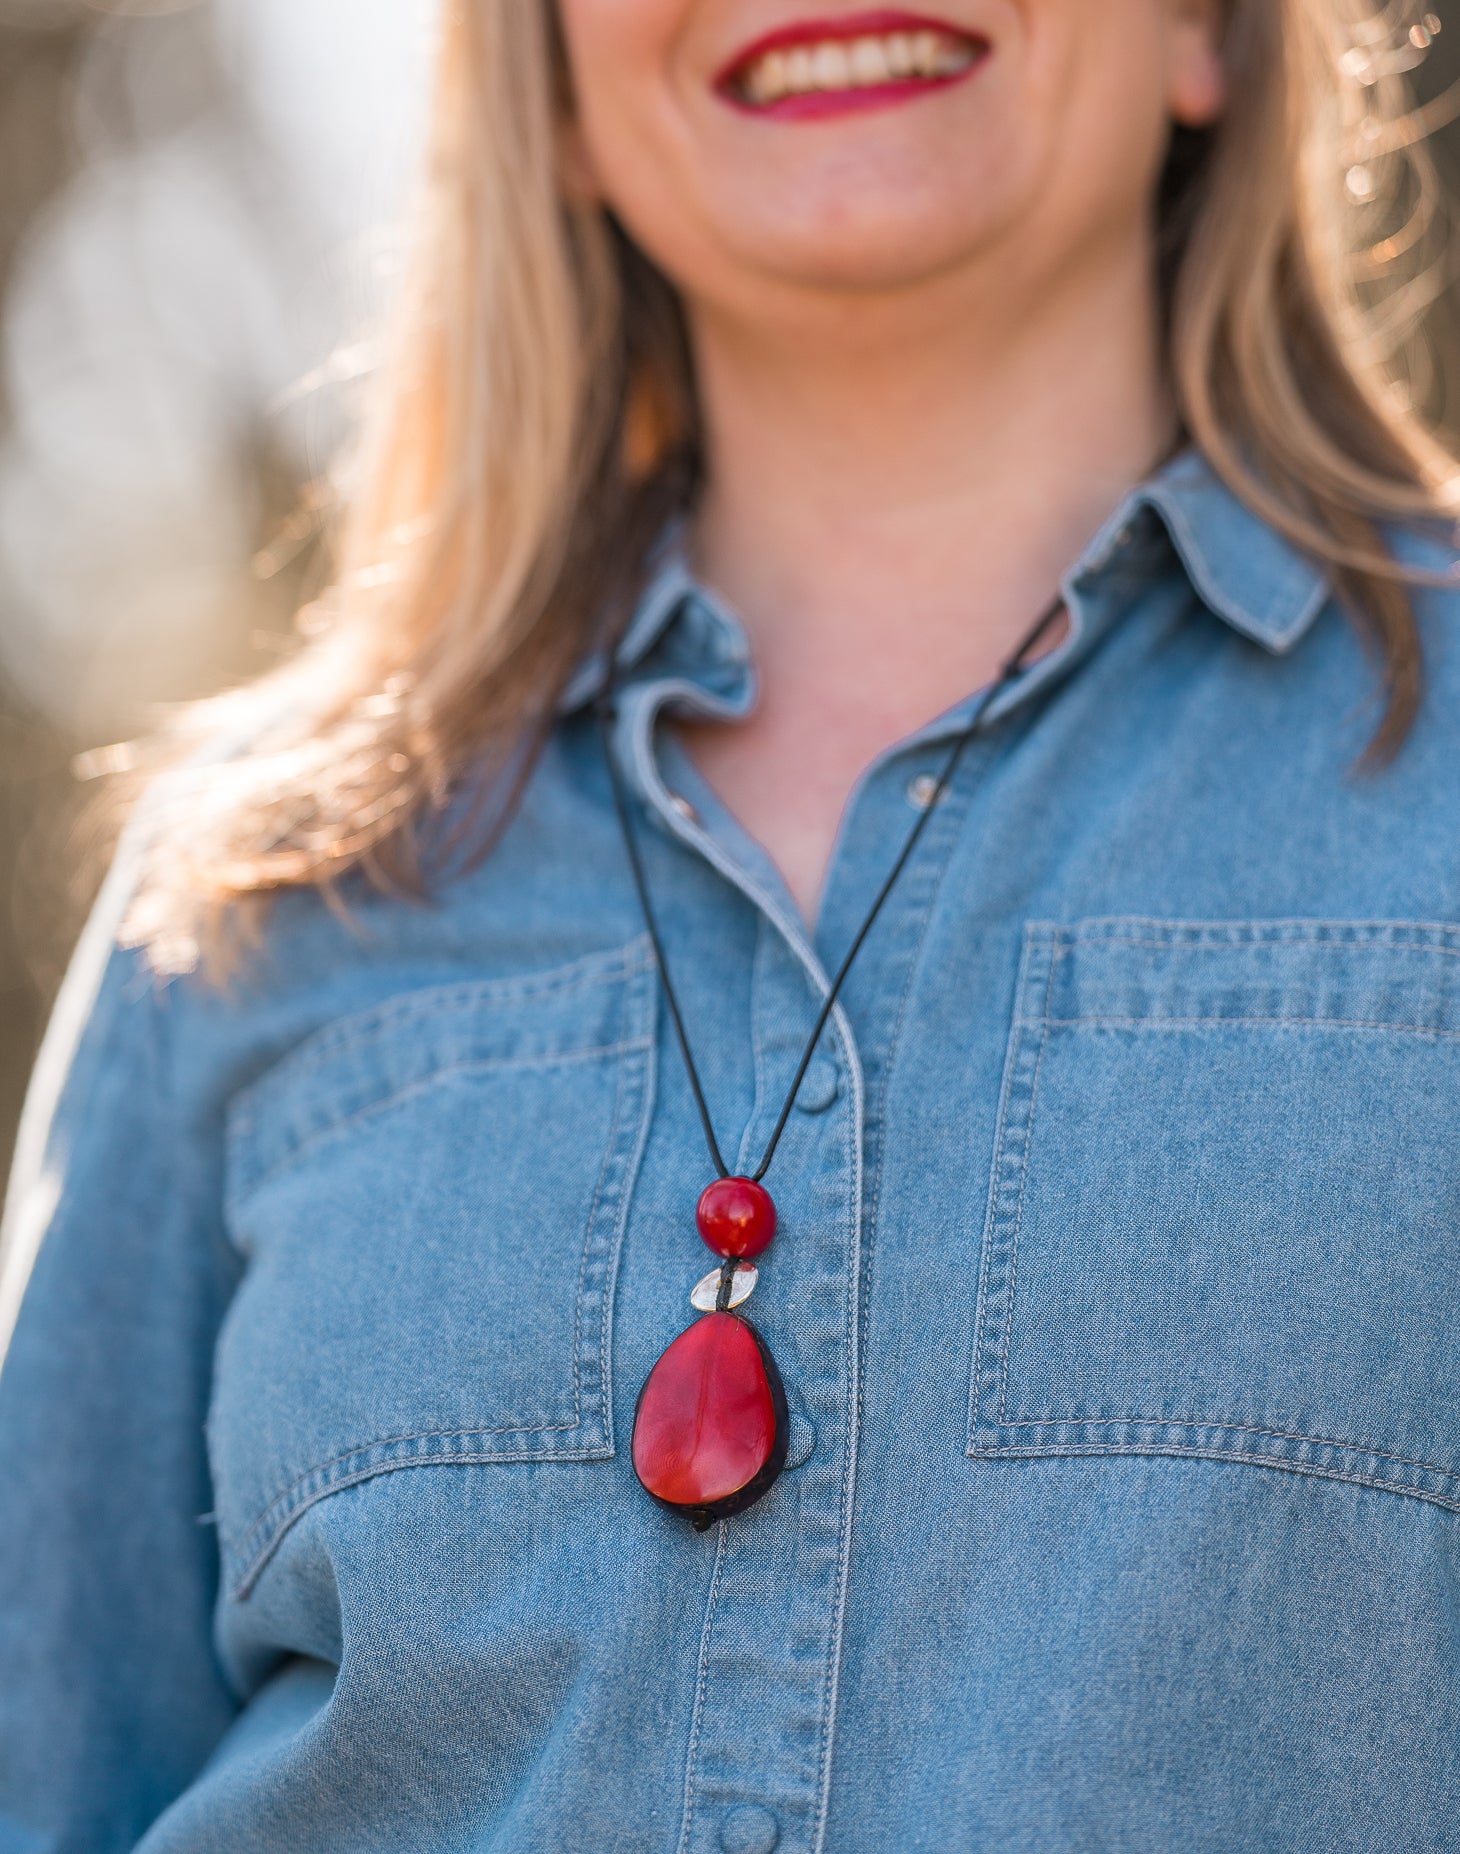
<point>782,1017</point>
<point>772,1634</point>
<point>772,1637</point>
<point>771,1642</point>
<point>750,1830</point>
<point>920,790</point>
<point>820,1086</point>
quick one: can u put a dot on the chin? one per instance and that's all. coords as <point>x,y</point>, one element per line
<point>865,253</point>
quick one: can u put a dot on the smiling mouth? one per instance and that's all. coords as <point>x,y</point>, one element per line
<point>817,66</point>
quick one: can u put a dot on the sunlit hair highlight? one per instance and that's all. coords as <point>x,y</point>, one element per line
<point>535,425</point>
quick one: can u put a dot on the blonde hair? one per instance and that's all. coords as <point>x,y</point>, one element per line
<point>536,424</point>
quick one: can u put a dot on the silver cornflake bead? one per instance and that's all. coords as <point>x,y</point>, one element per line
<point>741,1288</point>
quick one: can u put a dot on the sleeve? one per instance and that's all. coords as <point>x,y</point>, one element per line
<point>114,1274</point>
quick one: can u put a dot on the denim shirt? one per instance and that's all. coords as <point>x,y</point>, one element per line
<point>1117,1293</point>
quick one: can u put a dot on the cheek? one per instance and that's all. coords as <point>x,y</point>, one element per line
<point>1100,80</point>
<point>646,132</point>
<point>620,57</point>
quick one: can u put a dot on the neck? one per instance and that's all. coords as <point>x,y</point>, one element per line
<point>930,466</point>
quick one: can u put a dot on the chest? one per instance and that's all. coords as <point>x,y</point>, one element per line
<point>1098,1132</point>
<point>1116,1290</point>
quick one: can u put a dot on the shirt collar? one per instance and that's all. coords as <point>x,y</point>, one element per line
<point>1241,568</point>
<point>672,598</point>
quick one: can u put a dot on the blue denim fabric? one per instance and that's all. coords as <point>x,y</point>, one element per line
<point>1117,1293</point>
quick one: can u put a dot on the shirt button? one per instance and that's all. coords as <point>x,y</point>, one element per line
<point>751,1830</point>
<point>820,1086</point>
<point>920,791</point>
<point>684,808</point>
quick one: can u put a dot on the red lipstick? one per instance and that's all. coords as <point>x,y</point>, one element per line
<point>735,82</point>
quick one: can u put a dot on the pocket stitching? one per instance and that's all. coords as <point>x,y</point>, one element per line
<point>1034,934</point>
<point>1255,1023</point>
<point>1062,942</point>
<point>281,1501</point>
<point>286,1508</point>
<point>602,968</point>
<point>246,1186</point>
<point>608,1153</point>
<point>1194,1452</point>
<point>633,1082</point>
<point>1023,1186</point>
<point>279,1515</point>
<point>1225,1422</point>
<point>1110,930</point>
<point>331,1039</point>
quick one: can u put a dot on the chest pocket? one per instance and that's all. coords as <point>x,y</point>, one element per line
<point>430,1198</point>
<point>1225,1211</point>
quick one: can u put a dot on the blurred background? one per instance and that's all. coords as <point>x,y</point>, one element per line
<point>200,213</point>
<point>201,205</point>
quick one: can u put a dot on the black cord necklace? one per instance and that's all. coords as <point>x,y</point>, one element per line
<point>710,1426</point>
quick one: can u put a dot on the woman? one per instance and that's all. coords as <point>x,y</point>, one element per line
<point>780,397</point>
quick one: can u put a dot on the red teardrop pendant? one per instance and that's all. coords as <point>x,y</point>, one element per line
<point>710,1427</point>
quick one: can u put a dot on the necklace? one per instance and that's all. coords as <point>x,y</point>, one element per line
<point>710,1426</point>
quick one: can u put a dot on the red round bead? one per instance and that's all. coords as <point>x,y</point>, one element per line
<point>736,1216</point>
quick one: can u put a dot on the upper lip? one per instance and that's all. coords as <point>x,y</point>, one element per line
<point>839,26</point>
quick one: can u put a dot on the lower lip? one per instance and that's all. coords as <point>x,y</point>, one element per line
<point>816,105</point>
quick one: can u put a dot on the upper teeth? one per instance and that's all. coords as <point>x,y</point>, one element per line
<point>850,64</point>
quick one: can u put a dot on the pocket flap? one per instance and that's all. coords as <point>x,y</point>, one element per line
<point>370,1061</point>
